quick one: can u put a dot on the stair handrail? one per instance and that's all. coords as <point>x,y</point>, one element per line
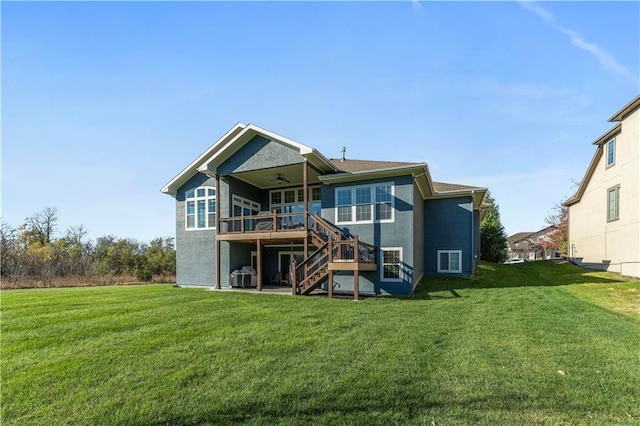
<point>305,268</point>
<point>323,227</point>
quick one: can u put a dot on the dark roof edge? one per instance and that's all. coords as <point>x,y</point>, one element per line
<point>626,110</point>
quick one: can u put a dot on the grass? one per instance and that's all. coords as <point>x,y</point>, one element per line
<point>519,344</point>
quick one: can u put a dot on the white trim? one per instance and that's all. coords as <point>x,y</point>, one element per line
<point>400,274</point>
<point>240,134</point>
<point>615,190</point>
<point>250,131</point>
<point>372,204</point>
<point>206,198</point>
<point>297,202</point>
<point>450,271</point>
<point>182,177</point>
<point>611,143</point>
<point>290,253</point>
<point>243,202</point>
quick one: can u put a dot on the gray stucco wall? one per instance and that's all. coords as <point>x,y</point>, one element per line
<point>398,234</point>
<point>448,226</point>
<point>195,249</point>
<point>259,153</point>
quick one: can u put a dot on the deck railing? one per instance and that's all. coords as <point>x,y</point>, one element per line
<point>262,222</point>
<point>352,251</point>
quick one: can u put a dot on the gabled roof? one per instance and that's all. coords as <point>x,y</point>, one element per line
<point>230,143</point>
<point>192,169</point>
<point>332,171</point>
<point>515,238</point>
<point>629,108</point>
<point>600,142</point>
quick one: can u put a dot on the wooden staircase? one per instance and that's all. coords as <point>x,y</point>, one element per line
<point>333,247</point>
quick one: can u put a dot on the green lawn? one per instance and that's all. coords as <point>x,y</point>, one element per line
<point>519,344</point>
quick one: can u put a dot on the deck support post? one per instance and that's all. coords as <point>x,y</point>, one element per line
<point>330,284</point>
<point>217,231</point>
<point>259,265</point>
<point>356,283</point>
<point>294,284</point>
<point>305,200</point>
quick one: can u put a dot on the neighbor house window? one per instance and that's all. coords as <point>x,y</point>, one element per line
<point>611,152</point>
<point>391,264</point>
<point>613,203</point>
<point>450,261</point>
<point>365,204</point>
<point>200,208</point>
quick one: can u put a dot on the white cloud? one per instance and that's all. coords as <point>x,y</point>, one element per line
<point>602,55</point>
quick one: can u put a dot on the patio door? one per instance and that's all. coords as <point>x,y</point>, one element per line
<point>242,206</point>
<point>284,261</point>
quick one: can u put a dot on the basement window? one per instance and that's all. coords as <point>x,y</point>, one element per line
<point>450,261</point>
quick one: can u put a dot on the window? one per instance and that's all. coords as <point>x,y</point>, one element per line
<point>611,152</point>
<point>200,208</point>
<point>450,261</point>
<point>613,203</point>
<point>384,210</point>
<point>344,205</point>
<point>391,260</point>
<point>292,201</point>
<point>366,204</point>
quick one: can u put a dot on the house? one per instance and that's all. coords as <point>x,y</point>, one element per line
<point>533,245</point>
<point>604,213</point>
<point>258,209</point>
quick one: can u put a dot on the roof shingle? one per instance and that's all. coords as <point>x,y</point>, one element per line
<point>355,166</point>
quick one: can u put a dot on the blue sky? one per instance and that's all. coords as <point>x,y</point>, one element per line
<point>103,103</point>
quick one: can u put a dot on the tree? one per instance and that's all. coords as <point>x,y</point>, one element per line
<point>559,218</point>
<point>7,249</point>
<point>41,227</point>
<point>493,238</point>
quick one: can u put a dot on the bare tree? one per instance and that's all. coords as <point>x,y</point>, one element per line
<point>42,226</point>
<point>7,248</point>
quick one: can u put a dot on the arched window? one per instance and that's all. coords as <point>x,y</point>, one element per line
<point>200,211</point>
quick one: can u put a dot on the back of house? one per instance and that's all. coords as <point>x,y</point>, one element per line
<point>257,209</point>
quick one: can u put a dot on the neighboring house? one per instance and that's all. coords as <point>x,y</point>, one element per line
<point>533,245</point>
<point>258,200</point>
<point>604,213</point>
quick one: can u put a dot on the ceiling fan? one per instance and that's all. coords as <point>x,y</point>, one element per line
<point>279,178</point>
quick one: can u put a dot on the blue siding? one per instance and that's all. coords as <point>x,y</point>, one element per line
<point>398,234</point>
<point>418,236</point>
<point>448,225</point>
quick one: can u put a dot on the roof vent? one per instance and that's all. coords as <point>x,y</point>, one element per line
<point>343,150</point>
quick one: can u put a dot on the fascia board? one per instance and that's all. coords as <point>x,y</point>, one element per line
<point>247,134</point>
<point>626,110</point>
<point>172,186</point>
<point>587,177</point>
<point>476,193</point>
<point>594,162</point>
<point>372,174</point>
<point>608,135</point>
